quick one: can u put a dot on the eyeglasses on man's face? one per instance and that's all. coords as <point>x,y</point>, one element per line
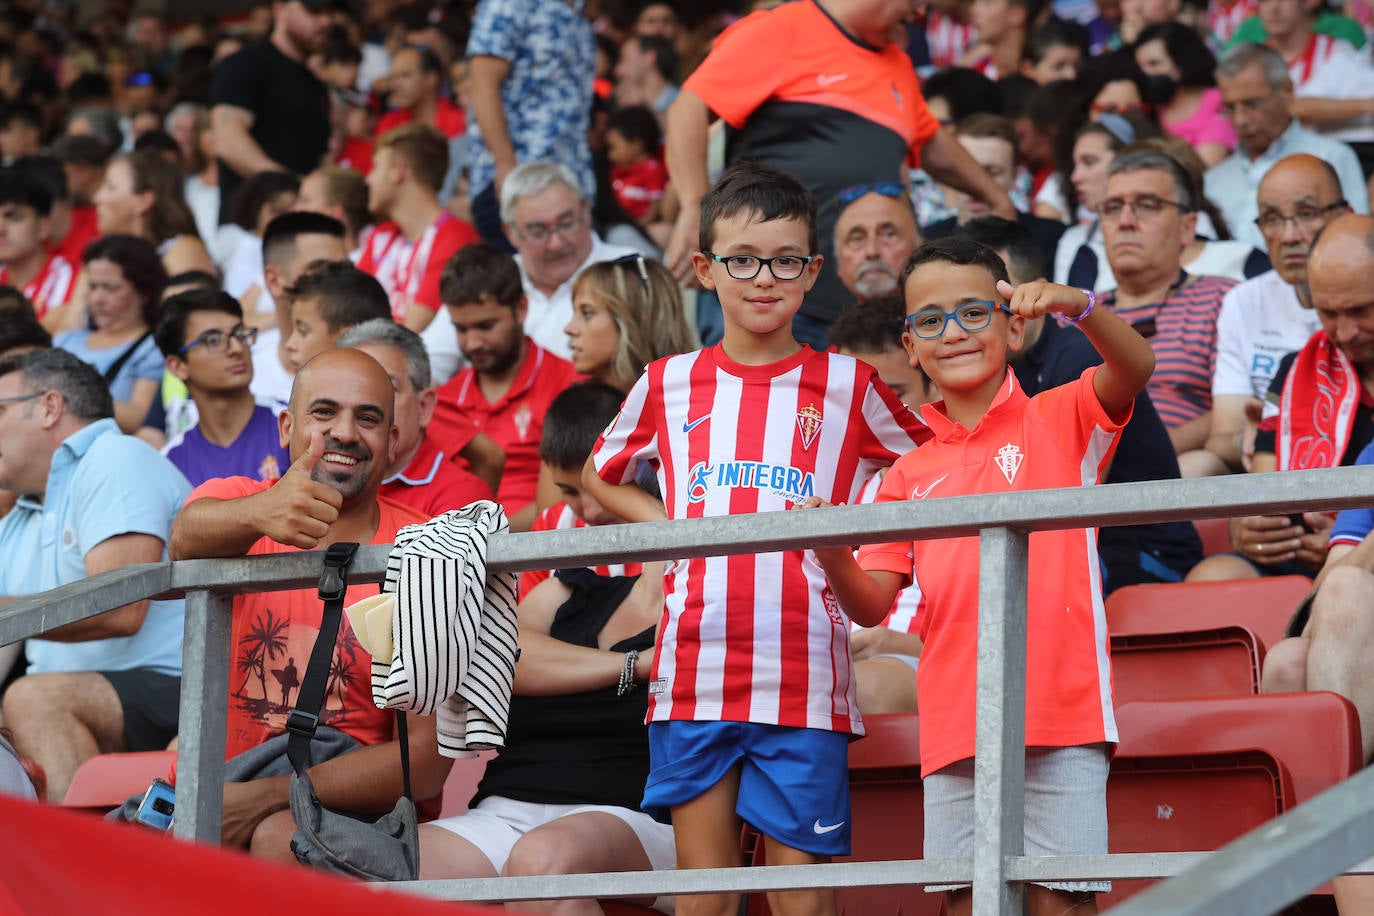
<point>565,225</point>
<point>217,341</point>
<point>1145,207</point>
<point>1306,216</point>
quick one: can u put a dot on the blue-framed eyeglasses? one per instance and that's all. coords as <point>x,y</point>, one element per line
<point>852,193</point>
<point>217,341</point>
<point>929,324</point>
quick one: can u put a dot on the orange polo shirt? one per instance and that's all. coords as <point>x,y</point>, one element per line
<point>1059,438</point>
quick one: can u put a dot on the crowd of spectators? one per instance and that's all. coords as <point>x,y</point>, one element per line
<point>498,203</point>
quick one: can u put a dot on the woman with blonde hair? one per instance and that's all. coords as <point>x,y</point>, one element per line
<point>144,195</point>
<point>626,314</point>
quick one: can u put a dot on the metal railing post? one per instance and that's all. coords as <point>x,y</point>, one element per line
<point>999,771</point>
<point>204,712</point>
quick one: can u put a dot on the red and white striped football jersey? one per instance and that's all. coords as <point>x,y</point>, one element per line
<point>560,517</point>
<point>1222,21</point>
<point>755,638</point>
<point>948,39</point>
<point>50,287</point>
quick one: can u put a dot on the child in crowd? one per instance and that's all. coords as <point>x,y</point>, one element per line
<point>751,703</point>
<point>638,175</point>
<point>571,427</point>
<point>872,333</point>
<point>327,300</point>
<point>626,314</point>
<point>964,316</point>
<point>45,278</point>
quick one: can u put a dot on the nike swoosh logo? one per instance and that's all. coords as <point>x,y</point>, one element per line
<point>688,427</point>
<point>826,829</point>
<point>830,79</point>
<point>916,492</point>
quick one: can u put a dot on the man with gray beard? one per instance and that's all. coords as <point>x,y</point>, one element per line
<point>875,233</point>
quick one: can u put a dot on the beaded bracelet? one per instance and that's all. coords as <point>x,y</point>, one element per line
<point>627,674</point>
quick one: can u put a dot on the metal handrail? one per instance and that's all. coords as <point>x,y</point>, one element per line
<point>1001,521</point>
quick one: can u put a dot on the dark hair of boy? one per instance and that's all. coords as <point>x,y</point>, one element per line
<point>1004,235</point>
<point>19,328</point>
<point>170,332</point>
<point>256,192</point>
<point>423,148</point>
<point>871,326</point>
<point>1015,89</point>
<point>193,279</point>
<point>339,48</point>
<point>158,140</point>
<point>25,189</point>
<point>14,302</point>
<point>958,250</point>
<point>348,189</point>
<point>1054,33</point>
<point>762,193</point>
<point>1049,107</point>
<point>49,170</point>
<point>281,233</point>
<point>343,294</point>
<point>965,91</point>
<point>479,270</point>
<point>984,125</point>
<point>637,124</point>
<point>665,55</point>
<point>574,421</point>
<point>21,112</point>
<point>89,89</point>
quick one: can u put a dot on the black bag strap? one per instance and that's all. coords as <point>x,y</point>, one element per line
<point>123,358</point>
<point>303,721</point>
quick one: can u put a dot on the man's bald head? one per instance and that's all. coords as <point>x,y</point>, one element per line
<point>341,410</point>
<point>1339,269</point>
<point>1296,198</point>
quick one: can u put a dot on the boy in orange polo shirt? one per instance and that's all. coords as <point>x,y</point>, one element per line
<point>962,317</point>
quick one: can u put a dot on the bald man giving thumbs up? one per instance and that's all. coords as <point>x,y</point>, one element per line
<point>338,427</point>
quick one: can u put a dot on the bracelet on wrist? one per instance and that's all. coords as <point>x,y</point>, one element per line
<point>1092,302</point>
<point>627,674</point>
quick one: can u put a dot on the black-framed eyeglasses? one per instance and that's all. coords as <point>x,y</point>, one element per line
<point>1145,207</point>
<point>567,224</point>
<point>217,341</point>
<point>1308,216</point>
<point>852,193</point>
<point>635,261</point>
<point>929,324</point>
<point>747,266</point>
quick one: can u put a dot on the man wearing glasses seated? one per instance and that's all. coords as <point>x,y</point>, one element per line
<point>202,335</point>
<point>1149,213</point>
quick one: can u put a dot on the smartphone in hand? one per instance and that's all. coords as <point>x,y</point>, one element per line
<point>158,806</point>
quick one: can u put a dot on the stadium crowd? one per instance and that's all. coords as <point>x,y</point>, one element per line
<point>332,267</point>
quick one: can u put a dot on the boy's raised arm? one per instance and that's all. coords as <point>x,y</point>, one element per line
<point>1127,359</point>
<point>625,500</point>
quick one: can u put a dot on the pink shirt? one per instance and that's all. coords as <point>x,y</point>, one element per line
<point>1207,124</point>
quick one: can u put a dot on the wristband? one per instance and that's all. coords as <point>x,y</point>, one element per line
<point>1092,301</point>
<point>627,674</point>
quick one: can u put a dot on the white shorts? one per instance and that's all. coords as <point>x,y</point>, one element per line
<point>496,824</point>
<point>1066,809</point>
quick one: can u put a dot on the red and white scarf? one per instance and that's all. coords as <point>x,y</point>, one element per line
<point>1317,407</point>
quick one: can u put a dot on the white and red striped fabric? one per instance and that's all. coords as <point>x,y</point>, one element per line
<point>756,638</point>
<point>948,39</point>
<point>50,287</point>
<point>1222,21</point>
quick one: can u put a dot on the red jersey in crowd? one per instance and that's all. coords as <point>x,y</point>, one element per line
<point>448,118</point>
<point>432,483</point>
<point>50,287</point>
<point>409,272</point>
<point>639,186</point>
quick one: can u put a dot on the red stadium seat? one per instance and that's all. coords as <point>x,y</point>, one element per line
<point>1264,606</point>
<point>1194,774</point>
<point>1215,534</point>
<point>105,781</point>
<point>1163,666</point>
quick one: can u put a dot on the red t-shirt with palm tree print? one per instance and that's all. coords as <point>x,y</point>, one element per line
<point>273,633</point>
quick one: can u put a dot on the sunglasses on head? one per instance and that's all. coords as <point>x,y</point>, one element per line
<point>852,193</point>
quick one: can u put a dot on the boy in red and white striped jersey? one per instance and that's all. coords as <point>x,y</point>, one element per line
<point>44,277</point>
<point>751,700</point>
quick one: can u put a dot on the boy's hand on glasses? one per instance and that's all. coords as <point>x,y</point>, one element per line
<point>1041,297</point>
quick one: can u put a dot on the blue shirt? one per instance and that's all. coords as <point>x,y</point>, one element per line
<point>1353,524</point>
<point>256,453</point>
<point>147,361</point>
<point>102,484</point>
<point>547,95</point>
